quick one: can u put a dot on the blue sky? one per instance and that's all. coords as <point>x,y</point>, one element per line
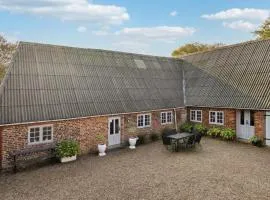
<point>149,27</point>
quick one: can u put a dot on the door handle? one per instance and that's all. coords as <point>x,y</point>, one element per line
<point>247,123</point>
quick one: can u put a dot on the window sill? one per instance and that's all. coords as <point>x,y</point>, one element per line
<point>39,143</point>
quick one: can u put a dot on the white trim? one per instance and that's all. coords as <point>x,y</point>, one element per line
<point>216,123</point>
<point>166,119</point>
<point>87,117</point>
<point>196,116</point>
<point>40,134</point>
<point>150,120</point>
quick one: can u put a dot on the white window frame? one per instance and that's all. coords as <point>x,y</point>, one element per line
<point>40,134</point>
<point>196,116</point>
<point>166,117</point>
<point>143,115</point>
<point>216,112</point>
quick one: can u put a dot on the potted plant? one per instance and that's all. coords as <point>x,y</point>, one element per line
<point>256,141</point>
<point>67,150</point>
<point>101,144</point>
<point>132,142</point>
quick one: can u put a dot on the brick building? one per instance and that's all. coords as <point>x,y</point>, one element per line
<point>51,93</point>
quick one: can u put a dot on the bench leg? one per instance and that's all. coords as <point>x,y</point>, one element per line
<point>15,164</point>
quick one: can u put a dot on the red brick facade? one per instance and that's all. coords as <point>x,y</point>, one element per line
<point>15,137</point>
<point>230,120</point>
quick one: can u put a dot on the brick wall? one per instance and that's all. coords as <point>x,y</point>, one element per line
<point>230,119</point>
<point>229,116</point>
<point>82,130</point>
<point>260,123</point>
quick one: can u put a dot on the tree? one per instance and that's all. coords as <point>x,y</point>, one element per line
<point>263,32</point>
<point>6,51</point>
<point>193,48</point>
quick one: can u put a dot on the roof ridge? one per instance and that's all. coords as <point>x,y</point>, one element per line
<point>104,50</point>
<point>225,46</point>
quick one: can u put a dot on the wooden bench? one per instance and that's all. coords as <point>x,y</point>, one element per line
<point>46,148</point>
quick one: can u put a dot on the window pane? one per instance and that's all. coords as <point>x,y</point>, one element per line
<point>47,133</point>
<point>116,126</point>
<point>163,118</point>
<point>147,120</point>
<point>242,117</point>
<point>212,117</point>
<point>34,135</point>
<point>111,127</point>
<point>252,118</point>
<point>192,117</point>
<point>140,121</point>
<point>169,117</point>
<point>220,117</point>
<point>199,115</point>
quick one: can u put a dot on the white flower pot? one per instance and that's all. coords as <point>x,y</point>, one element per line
<point>68,159</point>
<point>102,149</point>
<point>132,142</point>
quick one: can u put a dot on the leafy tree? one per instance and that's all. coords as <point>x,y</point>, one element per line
<point>6,51</point>
<point>193,48</point>
<point>263,32</point>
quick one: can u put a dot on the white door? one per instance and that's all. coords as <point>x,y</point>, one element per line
<point>267,135</point>
<point>245,124</point>
<point>114,130</point>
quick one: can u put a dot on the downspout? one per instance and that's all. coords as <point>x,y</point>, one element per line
<point>175,118</point>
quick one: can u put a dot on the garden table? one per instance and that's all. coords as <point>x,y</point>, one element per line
<point>180,136</point>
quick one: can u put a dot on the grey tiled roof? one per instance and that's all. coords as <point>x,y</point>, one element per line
<point>236,76</point>
<point>47,82</point>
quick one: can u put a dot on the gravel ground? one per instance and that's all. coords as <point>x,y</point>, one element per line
<point>213,170</point>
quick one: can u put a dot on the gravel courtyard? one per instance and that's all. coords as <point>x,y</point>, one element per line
<point>213,170</point>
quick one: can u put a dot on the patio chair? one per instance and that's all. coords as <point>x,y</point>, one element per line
<point>190,141</point>
<point>167,132</point>
<point>198,136</point>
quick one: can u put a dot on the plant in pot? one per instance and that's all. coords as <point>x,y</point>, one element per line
<point>256,141</point>
<point>67,150</point>
<point>101,144</point>
<point>132,142</point>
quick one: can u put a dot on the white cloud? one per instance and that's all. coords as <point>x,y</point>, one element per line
<point>165,33</point>
<point>73,10</point>
<point>81,29</point>
<point>174,13</point>
<point>241,25</point>
<point>237,13</point>
<point>100,33</point>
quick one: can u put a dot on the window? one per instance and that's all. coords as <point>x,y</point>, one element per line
<point>166,117</point>
<point>196,115</point>
<point>252,118</point>
<point>144,120</point>
<point>40,134</point>
<point>216,117</point>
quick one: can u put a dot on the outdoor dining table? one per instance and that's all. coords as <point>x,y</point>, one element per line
<point>180,136</point>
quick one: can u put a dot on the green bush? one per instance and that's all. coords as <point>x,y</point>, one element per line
<point>100,139</point>
<point>154,137</point>
<point>228,134</point>
<point>186,127</point>
<point>214,132</point>
<point>141,139</point>
<point>256,141</point>
<point>67,148</point>
<point>200,128</point>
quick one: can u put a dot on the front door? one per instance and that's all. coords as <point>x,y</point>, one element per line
<point>267,135</point>
<point>114,131</point>
<point>245,124</point>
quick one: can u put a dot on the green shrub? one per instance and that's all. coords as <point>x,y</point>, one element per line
<point>141,139</point>
<point>256,141</point>
<point>100,139</point>
<point>214,132</point>
<point>200,128</point>
<point>186,127</point>
<point>154,137</point>
<point>228,134</point>
<point>67,148</point>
